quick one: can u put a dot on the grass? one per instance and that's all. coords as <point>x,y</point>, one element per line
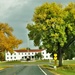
<point>38,62</point>
<point>68,62</point>
<point>65,72</point>
<point>5,66</point>
<point>68,68</point>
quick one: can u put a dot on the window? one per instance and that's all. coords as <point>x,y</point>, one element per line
<point>42,52</point>
<point>25,56</point>
<point>7,57</point>
<point>22,53</point>
<point>7,54</point>
<point>32,53</point>
<point>11,57</point>
<point>28,53</point>
<point>46,56</point>
<point>14,57</point>
<point>32,56</point>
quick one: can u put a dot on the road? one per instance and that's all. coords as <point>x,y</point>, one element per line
<point>25,70</point>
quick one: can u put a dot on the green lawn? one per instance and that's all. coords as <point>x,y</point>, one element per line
<point>37,62</point>
<point>67,62</point>
<point>65,72</point>
<point>68,68</point>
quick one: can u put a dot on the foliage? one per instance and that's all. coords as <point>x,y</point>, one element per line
<point>2,56</point>
<point>53,27</point>
<point>28,48</point>
<point>7,40</point>
<point>70,52</point>
<point>38,55</point>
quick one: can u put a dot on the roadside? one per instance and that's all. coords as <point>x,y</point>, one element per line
<point>68,67</point>
<point>1,68</point>
<point>64,70</point>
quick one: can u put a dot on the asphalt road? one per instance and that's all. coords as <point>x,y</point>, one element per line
<point>25,70</point>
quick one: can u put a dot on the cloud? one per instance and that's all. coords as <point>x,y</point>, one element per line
<point>7,6</point>
<point>17,13</point>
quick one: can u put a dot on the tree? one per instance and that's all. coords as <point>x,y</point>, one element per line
<point>53,27</point>
<point>70,52</point>
<point>2,56</point>
<point>38,55</point>
<point>7,40</point>
<point>28,48</point>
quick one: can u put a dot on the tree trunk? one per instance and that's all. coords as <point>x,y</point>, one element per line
<point>60,57</point>
<point>61,50</point>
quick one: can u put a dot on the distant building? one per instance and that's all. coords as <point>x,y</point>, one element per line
<point>25,54</point>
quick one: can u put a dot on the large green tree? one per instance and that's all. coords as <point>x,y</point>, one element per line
<point>53,27</point>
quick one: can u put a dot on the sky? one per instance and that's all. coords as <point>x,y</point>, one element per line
<point>18,13</point>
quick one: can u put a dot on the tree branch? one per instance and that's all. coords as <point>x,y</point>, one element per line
<point>68,44</point>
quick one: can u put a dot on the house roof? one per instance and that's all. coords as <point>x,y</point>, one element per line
<point>33,50</point>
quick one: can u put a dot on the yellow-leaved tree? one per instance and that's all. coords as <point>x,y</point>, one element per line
<point>7,40</point>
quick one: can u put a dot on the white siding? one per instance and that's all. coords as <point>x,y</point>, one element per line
<point>19,55</point>
<point>46,55</point>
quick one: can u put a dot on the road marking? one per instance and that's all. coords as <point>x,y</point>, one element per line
<point>42,70</point>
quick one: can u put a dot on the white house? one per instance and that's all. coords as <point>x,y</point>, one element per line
<point>24,54</point>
